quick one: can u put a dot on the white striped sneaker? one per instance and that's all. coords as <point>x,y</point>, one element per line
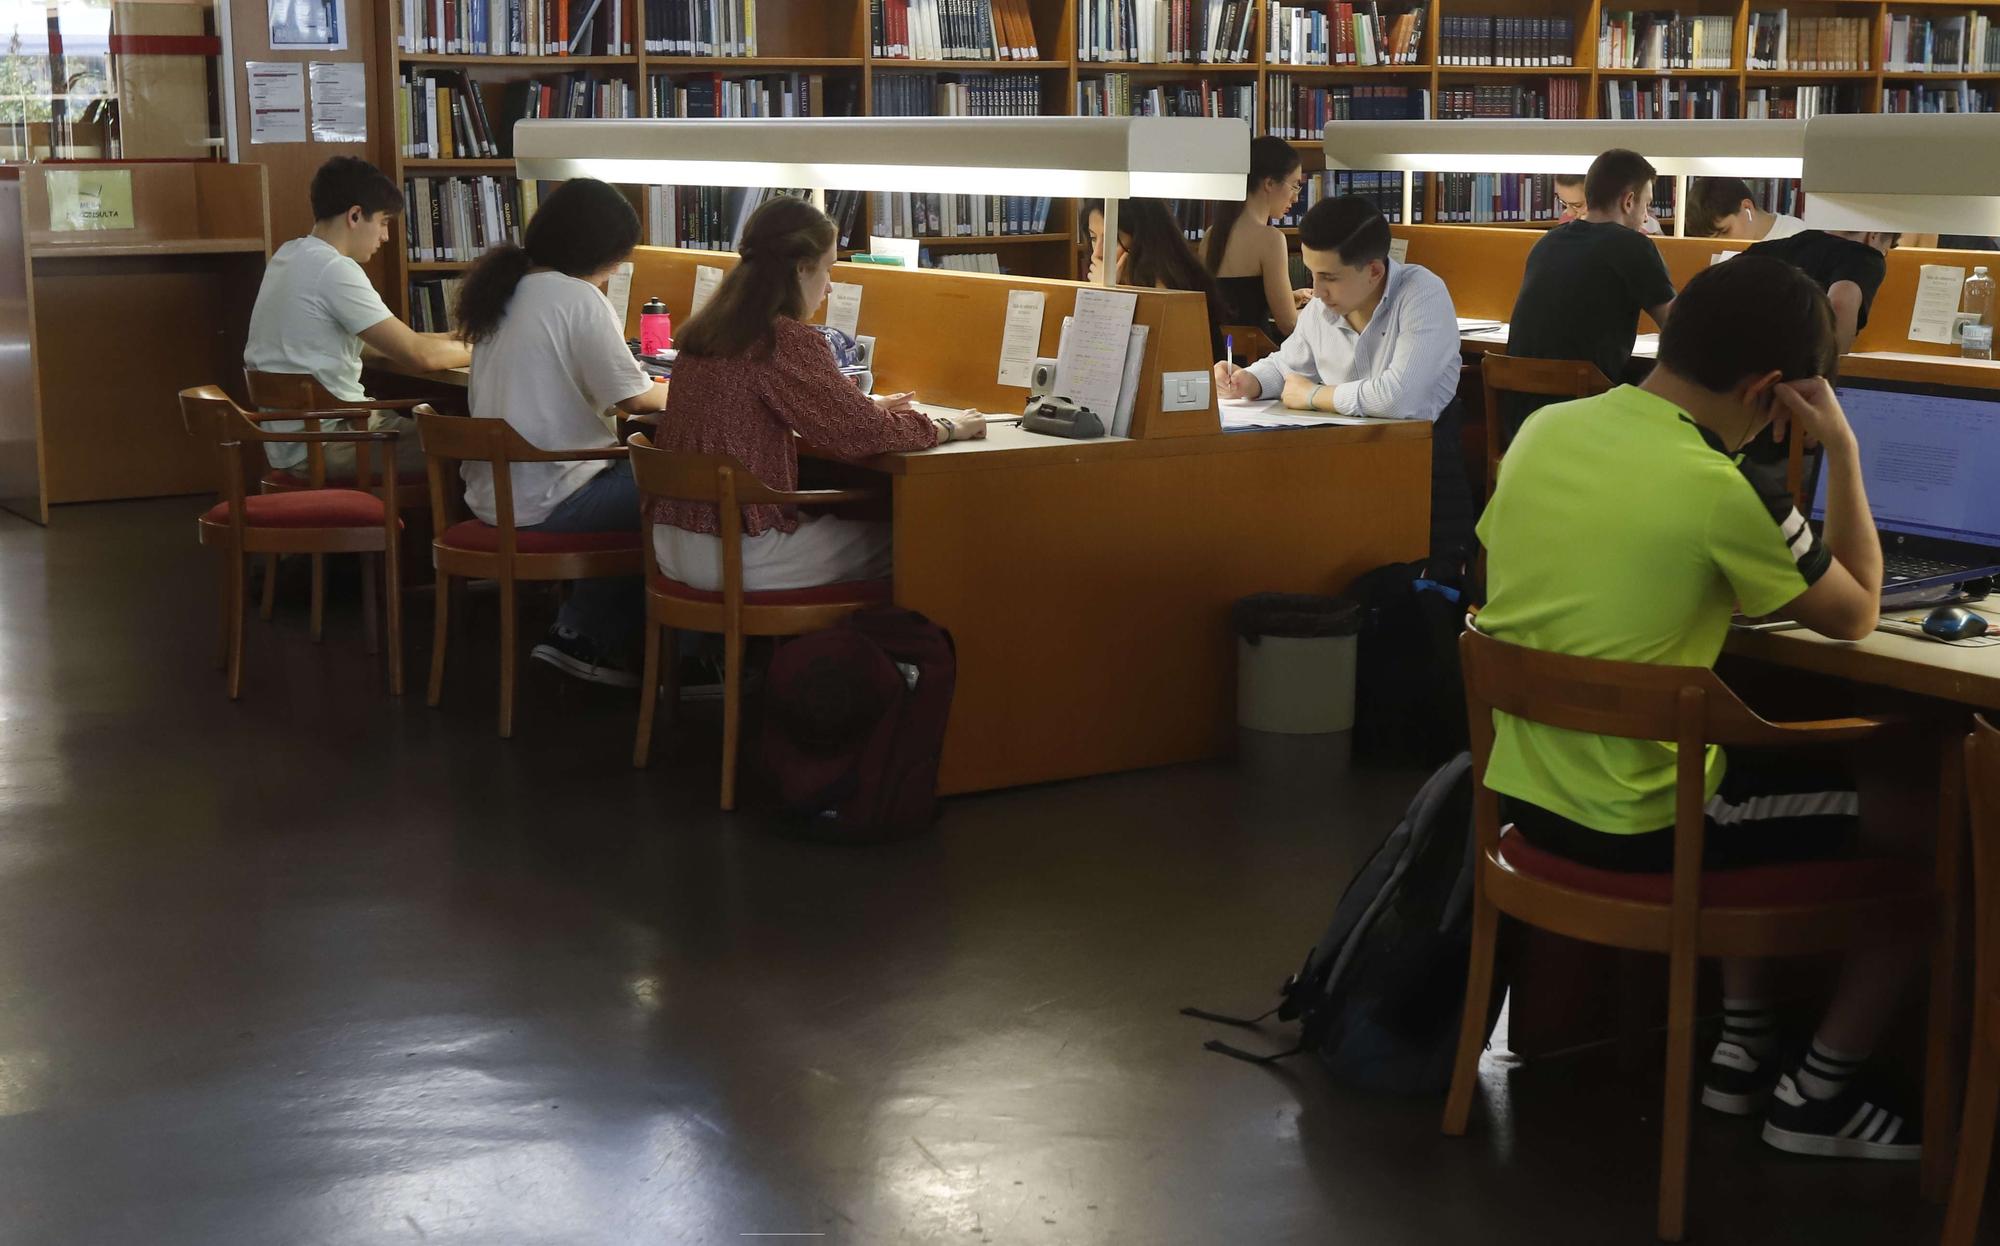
<point>1737,1082</point>
<point>1848,1126</point>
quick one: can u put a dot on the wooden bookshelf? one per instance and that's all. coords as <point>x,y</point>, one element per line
<point>833,37</point>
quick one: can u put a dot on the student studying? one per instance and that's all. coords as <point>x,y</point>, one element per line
<point>1152,251</point>
<point>1629,527</point>
<point>1247,254</point>
<point>1848,266</point>
<point>1723,207</point>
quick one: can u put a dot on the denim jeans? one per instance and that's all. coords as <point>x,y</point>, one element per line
<point>611,611</point>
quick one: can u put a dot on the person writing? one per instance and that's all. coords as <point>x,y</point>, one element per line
<point>1848,266</point>
<point>752,381</point>
<point>551,358</point>
<point>316,313</point>
<point>1629,527</point>
<point>1379,339</point>
<point>1153,252</point>
<point>1586,281</point>
<point>1248,255</point>
<point>1723,207</point>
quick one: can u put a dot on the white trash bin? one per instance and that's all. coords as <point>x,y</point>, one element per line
<point>1295,658</point>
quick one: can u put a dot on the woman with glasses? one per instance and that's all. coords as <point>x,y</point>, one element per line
<point>1247,254</point>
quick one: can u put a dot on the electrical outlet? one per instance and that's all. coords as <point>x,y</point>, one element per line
<point>866,344</point>
<point>1184,391</point>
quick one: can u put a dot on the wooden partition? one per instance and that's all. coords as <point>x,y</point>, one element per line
<point>938,333</point>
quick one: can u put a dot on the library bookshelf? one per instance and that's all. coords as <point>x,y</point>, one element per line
<point>834,39</point>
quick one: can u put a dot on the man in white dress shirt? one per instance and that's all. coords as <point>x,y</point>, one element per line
<point>1378,339</point>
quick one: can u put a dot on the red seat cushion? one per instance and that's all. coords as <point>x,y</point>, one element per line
<point>293,480</point>
<point>308,508</point>
<point>1764,886</point>
<point>869,591</point>
<point>485,539</point>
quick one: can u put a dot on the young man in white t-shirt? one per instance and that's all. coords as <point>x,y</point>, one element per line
<point>316,310</point>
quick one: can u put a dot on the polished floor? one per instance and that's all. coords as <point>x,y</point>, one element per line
<point>324,967</point>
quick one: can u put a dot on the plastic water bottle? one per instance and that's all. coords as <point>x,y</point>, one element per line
<point>1976,341</point>
<point>656,329</point>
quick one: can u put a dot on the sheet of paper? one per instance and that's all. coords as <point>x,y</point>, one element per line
<point>1646,346</point>
<point>339,101</point>
<point>705,281</point>
<point>618,292</point>
<point>1022,340</point>
<point>1128,389</point>
<point>89,199</point>
<point>1936,305</point>
<point>277,102</point>
<point>843,308</point>
<point>903,248</point>
<point>1473,324</point>
<point>1399,248</point>
<point>1720,256</point>
<point>1090,367</point>
<point>1244,413</point>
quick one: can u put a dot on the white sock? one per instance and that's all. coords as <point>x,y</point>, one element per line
<point>1826,1072</point>
<point>1751,1024</point>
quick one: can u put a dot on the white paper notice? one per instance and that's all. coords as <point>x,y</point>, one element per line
<point>843,308</point>
<point>1091,364</point>
<point>277,102</point>
<point>1023,338</point>
<point>1936,306</point>
<point>1399,249</point>
<point>618,292</point>
<point>339,101</point>
<point>705,281</point>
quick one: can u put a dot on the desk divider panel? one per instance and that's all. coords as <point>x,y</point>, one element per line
<point>938,333</point>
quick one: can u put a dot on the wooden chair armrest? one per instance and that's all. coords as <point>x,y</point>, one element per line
<point>325,413</point>
<point>1835,730</point>
<point>566,456</point>
<point>388,404</point>
<point>259,436</point>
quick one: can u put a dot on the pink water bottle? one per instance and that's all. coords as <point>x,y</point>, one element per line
<point>656,329</point>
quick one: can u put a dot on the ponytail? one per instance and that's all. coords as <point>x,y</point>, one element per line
<point>584,227</point>
<point>488,288</point>
<point>1271,160</point>
<point>742,315</point>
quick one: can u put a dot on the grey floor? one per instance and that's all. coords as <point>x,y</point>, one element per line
<point>326,967</point>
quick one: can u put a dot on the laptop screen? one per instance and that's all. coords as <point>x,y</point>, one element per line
<point>1930,462</point>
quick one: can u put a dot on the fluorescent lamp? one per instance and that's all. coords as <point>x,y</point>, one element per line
<point>1056,157</point>
<point>1677,149</point>
<point>1930,173</point>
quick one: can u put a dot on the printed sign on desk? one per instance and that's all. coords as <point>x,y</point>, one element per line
<point>90,199</point>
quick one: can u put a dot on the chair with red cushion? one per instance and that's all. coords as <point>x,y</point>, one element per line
<point>1688,914</point>
<point>732,613</point>
<point>284,395</point>
<point>1982,1083</point>
<point>469,549</point>
<point>308,521</point>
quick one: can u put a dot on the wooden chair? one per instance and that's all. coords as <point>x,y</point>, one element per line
<point>470,549</point>
<point>1982,1090</point>
<point>1771,911</point>
<point>300,521</point>
<point>732,613</point>
<point>1505,374</point>
<point>1251,342</point>
<point>300,396</point>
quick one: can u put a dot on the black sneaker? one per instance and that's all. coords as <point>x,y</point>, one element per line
<point>1851,1125</point>
<point>577,655</point>
<point>699,679</point>
<point>1737,1082</point>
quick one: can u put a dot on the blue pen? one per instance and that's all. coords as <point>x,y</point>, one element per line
<point>1229,347</point>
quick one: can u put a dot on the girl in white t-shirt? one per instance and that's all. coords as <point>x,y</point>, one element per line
<point>551,358</point>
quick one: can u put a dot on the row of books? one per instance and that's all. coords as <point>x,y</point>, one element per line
<point>1968,43</point>
<point>975,95</point>
<point>1664,40</point>
<point>957,216</point>
<point>434,304</point>
<point>443,114</point>
<point>1949,97</point>
<point>1164,31</point>
<point>766,95</point>
<point>711,218</point>
<point>1383,189</point>
<point>1484,198</point>
<point>1344,34</point>
<point>1667,100</point>
<point>1556,98</point>
<point>1800,103</point>
<point>1299,111</point>
<point>515,27</point>
<point>456,219</point>
<point>1777,194</point>
<point>700,27</point>
<point>1778,40</point>
<point>953,30</point>
<point>1115,95</point>
<point>962,261</point>
<point>1487,40</point>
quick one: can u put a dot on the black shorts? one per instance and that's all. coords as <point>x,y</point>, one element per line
<point>1771,809</point>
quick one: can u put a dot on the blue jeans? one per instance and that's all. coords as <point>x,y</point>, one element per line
<point>610,611</point>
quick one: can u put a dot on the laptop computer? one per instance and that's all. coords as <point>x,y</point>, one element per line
<point>1930,458</point>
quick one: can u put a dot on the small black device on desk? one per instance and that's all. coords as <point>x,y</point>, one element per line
<point>1954,623</point>
<point>1062,417</point>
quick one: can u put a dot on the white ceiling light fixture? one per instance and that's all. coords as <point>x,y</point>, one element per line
<point>1929,173</point>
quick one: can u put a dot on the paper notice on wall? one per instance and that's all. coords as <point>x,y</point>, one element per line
<point>1399,250</point>
<point>1022,340</point>
<point>1936,305</point>
<point>277,102</point>
<point>339,101</point>
<point>705,281</point>
<point>618,292</point>
<point>843,307</point>
<point>1090,367</point>
<point>89,199</point>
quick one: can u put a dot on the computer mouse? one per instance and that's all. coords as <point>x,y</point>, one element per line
<point>1953,623</point>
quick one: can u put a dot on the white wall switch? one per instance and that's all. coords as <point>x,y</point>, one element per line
<point>1184,391</point>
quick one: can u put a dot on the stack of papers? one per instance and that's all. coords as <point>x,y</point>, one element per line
<point>1239,414</point>
<point>1468,324</point>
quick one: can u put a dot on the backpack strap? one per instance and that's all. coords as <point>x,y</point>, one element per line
<point>1250,1057</point>
<point>1244,1022</point>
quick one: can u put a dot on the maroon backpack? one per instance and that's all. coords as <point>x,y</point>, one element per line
<point>854,720</point>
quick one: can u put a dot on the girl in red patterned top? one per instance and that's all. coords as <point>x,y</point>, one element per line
<point>751,380</point>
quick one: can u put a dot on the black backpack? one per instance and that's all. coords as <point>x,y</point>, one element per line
<point>1380,996</point>
<point>1409,693</point>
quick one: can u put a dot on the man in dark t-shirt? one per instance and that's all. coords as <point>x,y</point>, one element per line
<point>1848,266</point>
<point>1587,281</point>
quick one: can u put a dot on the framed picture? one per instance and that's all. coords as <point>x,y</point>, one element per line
<point>308,25</point>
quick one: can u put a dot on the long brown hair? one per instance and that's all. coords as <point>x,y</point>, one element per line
<point>1159,254</point>
<point>744,310</point>
<point>583,227</point>
<point>1271,160</point>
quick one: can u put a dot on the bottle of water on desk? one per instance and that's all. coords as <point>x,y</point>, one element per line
<point>1976,342</point>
